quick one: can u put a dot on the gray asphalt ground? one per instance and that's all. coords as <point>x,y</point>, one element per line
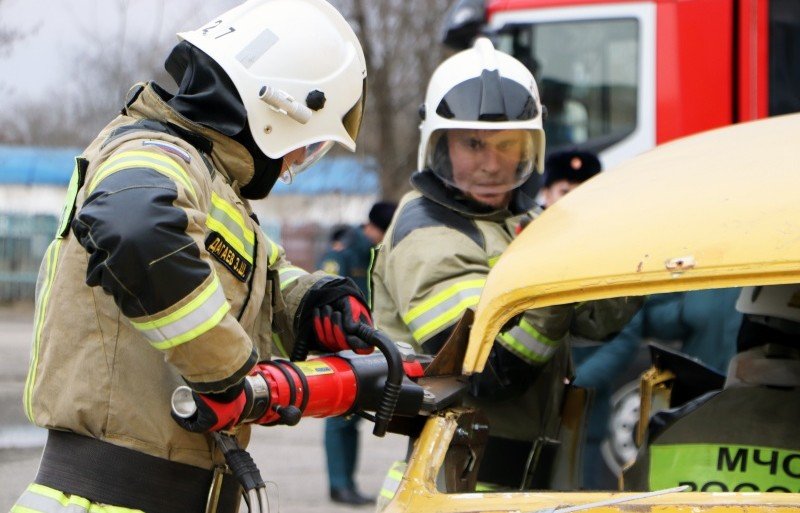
<point>291,457</point>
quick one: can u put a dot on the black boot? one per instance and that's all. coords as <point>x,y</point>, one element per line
<point>350,496</point>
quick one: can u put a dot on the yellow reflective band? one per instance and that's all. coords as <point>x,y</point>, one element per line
<point>234,214</point>
<point>182,311</point>
<point>518,347</point>
<point>22,509</point>
<point>48,492</point>
<point>226,220</point>
<point>725,468</point>
<point>237,244</point>
<point>396,474</point>
<point>493,260</point>
<point>276,341</point>
<point>441,297</point>
<point>393,478</point>
<point>274,251</point>
<point>533,332</point>
<point>42,499</point>
<point>149,160</point>
<point>441,310</point>
<point>69,203</point>
<point>212,321</point>
<point>289,275</point>
<point>50,271</point>
<point>444,320</point>
<point>188,322</point>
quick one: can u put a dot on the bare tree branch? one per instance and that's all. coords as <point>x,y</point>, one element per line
<point>400,45</point>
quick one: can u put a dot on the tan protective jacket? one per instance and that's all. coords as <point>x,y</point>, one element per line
<point>433,265</point>
<point>100,373</point>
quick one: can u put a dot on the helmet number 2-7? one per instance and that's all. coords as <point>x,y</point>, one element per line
<point>215,25</point>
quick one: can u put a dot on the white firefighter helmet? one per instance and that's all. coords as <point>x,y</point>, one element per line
<point>770,303</point>
<point>481,89</point>
<point>298,68</point>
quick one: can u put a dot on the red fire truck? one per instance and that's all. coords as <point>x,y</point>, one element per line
<point>619,77</point>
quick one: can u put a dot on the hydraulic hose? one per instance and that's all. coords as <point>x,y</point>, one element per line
<point>394,379</point>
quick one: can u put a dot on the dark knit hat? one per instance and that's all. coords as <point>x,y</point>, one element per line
<point>574,166</point>
<point>381,214</point>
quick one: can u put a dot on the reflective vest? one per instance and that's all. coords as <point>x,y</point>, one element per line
<point>742,439</point>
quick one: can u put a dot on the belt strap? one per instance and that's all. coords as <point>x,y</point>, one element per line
<point>109,474</point>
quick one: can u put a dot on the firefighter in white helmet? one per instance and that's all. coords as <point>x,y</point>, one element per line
<point>481,149</point>
<point>160,275</point>
<point>742,438</point>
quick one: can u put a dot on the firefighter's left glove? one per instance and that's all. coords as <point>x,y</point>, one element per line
<point>332,314</point>
<point>215,412</point>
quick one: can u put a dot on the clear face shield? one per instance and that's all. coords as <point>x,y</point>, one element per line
<point>300,159</point>
<point>486,165</point>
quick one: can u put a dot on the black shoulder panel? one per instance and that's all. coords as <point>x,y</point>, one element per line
<point>423,213</point>
<point>136,238</point>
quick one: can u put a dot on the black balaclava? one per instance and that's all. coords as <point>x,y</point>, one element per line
<point>207,97</point>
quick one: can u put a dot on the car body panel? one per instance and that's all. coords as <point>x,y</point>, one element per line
<point>717,209</point>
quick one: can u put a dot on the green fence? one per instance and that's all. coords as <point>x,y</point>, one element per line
<point>23,242</point>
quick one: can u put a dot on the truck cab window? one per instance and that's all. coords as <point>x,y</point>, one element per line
<point>784,44</point>
<point>587,73</point>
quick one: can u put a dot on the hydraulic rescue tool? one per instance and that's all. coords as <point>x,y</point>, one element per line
<point>283,391</point>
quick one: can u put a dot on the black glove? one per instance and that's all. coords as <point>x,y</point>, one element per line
<point>215,412</point>
<point>330,314</point>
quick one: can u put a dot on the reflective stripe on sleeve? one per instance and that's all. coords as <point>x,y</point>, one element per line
<point>188,322</point>
<point>274,251</point>
<point>226,220</point>
<point>142,159</point>
<point>42,499</point>
<point>527,343</point>
<point>289,274</point>
<point>438,312</point>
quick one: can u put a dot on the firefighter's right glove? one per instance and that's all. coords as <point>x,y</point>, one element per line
<point>215,412</point>
<point>335,325</point>
<point>331,313</point>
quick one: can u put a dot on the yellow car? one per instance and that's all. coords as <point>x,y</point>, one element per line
<point>719,209</point>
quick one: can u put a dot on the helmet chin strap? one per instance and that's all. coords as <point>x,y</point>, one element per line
<point>207,97</point>
<point>266,171</point>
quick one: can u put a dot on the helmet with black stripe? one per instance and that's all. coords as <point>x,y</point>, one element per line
<point>486,103</point>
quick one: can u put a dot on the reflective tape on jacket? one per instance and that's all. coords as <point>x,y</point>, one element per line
<point>274,251</point>
<point>527,343</point>
<point>393,478</point>
<point>43,296</point>
<point>289,274</point>
<point>43,499</point>
<point>189,321</point>
<point>443,309</point>
<point>226,220</point>
<point>142,159</point>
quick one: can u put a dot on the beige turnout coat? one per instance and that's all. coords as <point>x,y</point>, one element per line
<point>101,373</point>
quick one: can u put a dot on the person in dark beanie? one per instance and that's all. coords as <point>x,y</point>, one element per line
<point>565,170</point>
<point>380,215</point>
<point>349,255</point>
